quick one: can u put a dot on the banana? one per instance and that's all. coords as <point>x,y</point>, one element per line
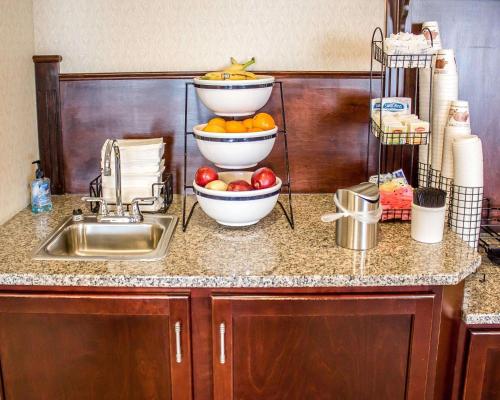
<point>235,71</point>
<point>237,67</point>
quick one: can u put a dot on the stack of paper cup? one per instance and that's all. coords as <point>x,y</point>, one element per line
<point>424,82</point>
<point>465,211</point>
<point>468,161</point>
<point>458,126</point>
<point>444,91</point>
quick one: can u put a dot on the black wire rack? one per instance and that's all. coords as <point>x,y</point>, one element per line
<point>400,138</point>
<point>489,237</point>
<point>163,190</point>
<point>465,212</point>
<point>397,150</point>
<point>186,216</point>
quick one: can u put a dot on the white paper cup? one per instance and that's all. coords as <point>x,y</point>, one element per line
<point>433,27</point>
<point>450,134</point>
<point>445,62</point>
<point>427,224</point>
<point>459,114</point>
<point>468,161</point>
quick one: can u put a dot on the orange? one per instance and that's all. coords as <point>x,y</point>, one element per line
<point>235,127</point>
<point>255,130</point>
<point>248,123</point>
<point>263,121</point>
<point>214,128</point>
<point>218,121</point>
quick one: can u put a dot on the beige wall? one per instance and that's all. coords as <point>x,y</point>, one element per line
<point>163,35</point>
<point>18,137</point>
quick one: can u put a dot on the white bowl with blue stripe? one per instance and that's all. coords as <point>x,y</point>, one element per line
<point>237,208</point>
<point>234,98</point>
<point>235,150</point>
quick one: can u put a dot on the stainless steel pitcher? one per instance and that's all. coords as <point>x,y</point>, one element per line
<point>351,233</point>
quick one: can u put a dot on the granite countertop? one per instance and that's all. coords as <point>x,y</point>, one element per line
<point>268,254</point>
<point>482,295</point>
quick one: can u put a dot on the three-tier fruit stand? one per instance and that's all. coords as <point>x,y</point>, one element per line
<point>282,132</point>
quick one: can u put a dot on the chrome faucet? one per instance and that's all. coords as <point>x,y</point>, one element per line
<point>113,145</point>
<point>119,215</point>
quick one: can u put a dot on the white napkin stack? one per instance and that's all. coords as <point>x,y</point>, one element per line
<point>142,165</point>
<point>444,91</point>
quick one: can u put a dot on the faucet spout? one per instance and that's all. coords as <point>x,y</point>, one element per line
<point>113,145</point>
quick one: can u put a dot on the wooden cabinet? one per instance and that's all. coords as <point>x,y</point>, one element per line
<point>345,346</point>
<point>95,347</point>
<point>482,368</point>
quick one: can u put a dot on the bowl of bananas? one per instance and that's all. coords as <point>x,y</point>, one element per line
<point>234,91</point>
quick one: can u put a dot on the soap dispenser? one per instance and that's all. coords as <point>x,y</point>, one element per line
<point>40,191</point>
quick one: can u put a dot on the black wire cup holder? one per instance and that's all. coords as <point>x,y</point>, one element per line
<point>489,238</point>
<point>465,212</point>
<point>163,190</point>
<point>423,174</point>
<point>286,185</point>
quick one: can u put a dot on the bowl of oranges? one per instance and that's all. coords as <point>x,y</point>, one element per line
<point>234,98</point>
<point>236,144</point>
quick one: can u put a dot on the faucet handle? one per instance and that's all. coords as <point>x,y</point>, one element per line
<point>103,209</point>
<point>135,209</point>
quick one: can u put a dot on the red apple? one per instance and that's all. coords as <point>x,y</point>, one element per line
<point>205,175</point>
<point>239,186</point>
<point>263,178</point>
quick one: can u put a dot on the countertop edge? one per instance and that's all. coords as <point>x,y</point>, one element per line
<point>235,281</point>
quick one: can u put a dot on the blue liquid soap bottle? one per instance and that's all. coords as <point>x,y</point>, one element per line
<point>40,191</point>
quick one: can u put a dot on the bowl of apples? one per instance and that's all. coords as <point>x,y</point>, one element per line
<point>235,144</point>
<point>236,198</point>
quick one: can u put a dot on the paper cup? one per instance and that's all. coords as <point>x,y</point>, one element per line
<point>445,62</point>
<point>459,115</point>
<point>468,161</point>
<point>450,134</point>
<point>431,28</point>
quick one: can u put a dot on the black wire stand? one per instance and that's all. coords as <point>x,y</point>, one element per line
<point>397,150</point>
<point>186,216</point>
<point>163,190</point>
<point>465,212</point>
<point>489,237</point>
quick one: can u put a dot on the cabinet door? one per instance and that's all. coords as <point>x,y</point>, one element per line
<point>482,375</point>
<point>102,347</point>
<point>322,347</point>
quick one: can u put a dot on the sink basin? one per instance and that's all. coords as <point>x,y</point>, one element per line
<point>92,240</point>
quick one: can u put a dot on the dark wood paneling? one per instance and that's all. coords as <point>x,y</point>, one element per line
<point>312,347</point>
<point>93,347</point>
<point>326,120</point>
<point>482,373</point>
<point>471,28</point>
<point>201,316</point>
<point>48,117</point>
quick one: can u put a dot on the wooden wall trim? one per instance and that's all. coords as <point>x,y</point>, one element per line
<point>49,119</point>
<point>192,74</point>
<point>47,59</point>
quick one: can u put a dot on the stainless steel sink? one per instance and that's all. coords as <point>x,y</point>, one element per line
<point>92,240</point>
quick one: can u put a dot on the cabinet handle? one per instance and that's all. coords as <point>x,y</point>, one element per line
<point>222,329</point>
<point>178,351</point>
